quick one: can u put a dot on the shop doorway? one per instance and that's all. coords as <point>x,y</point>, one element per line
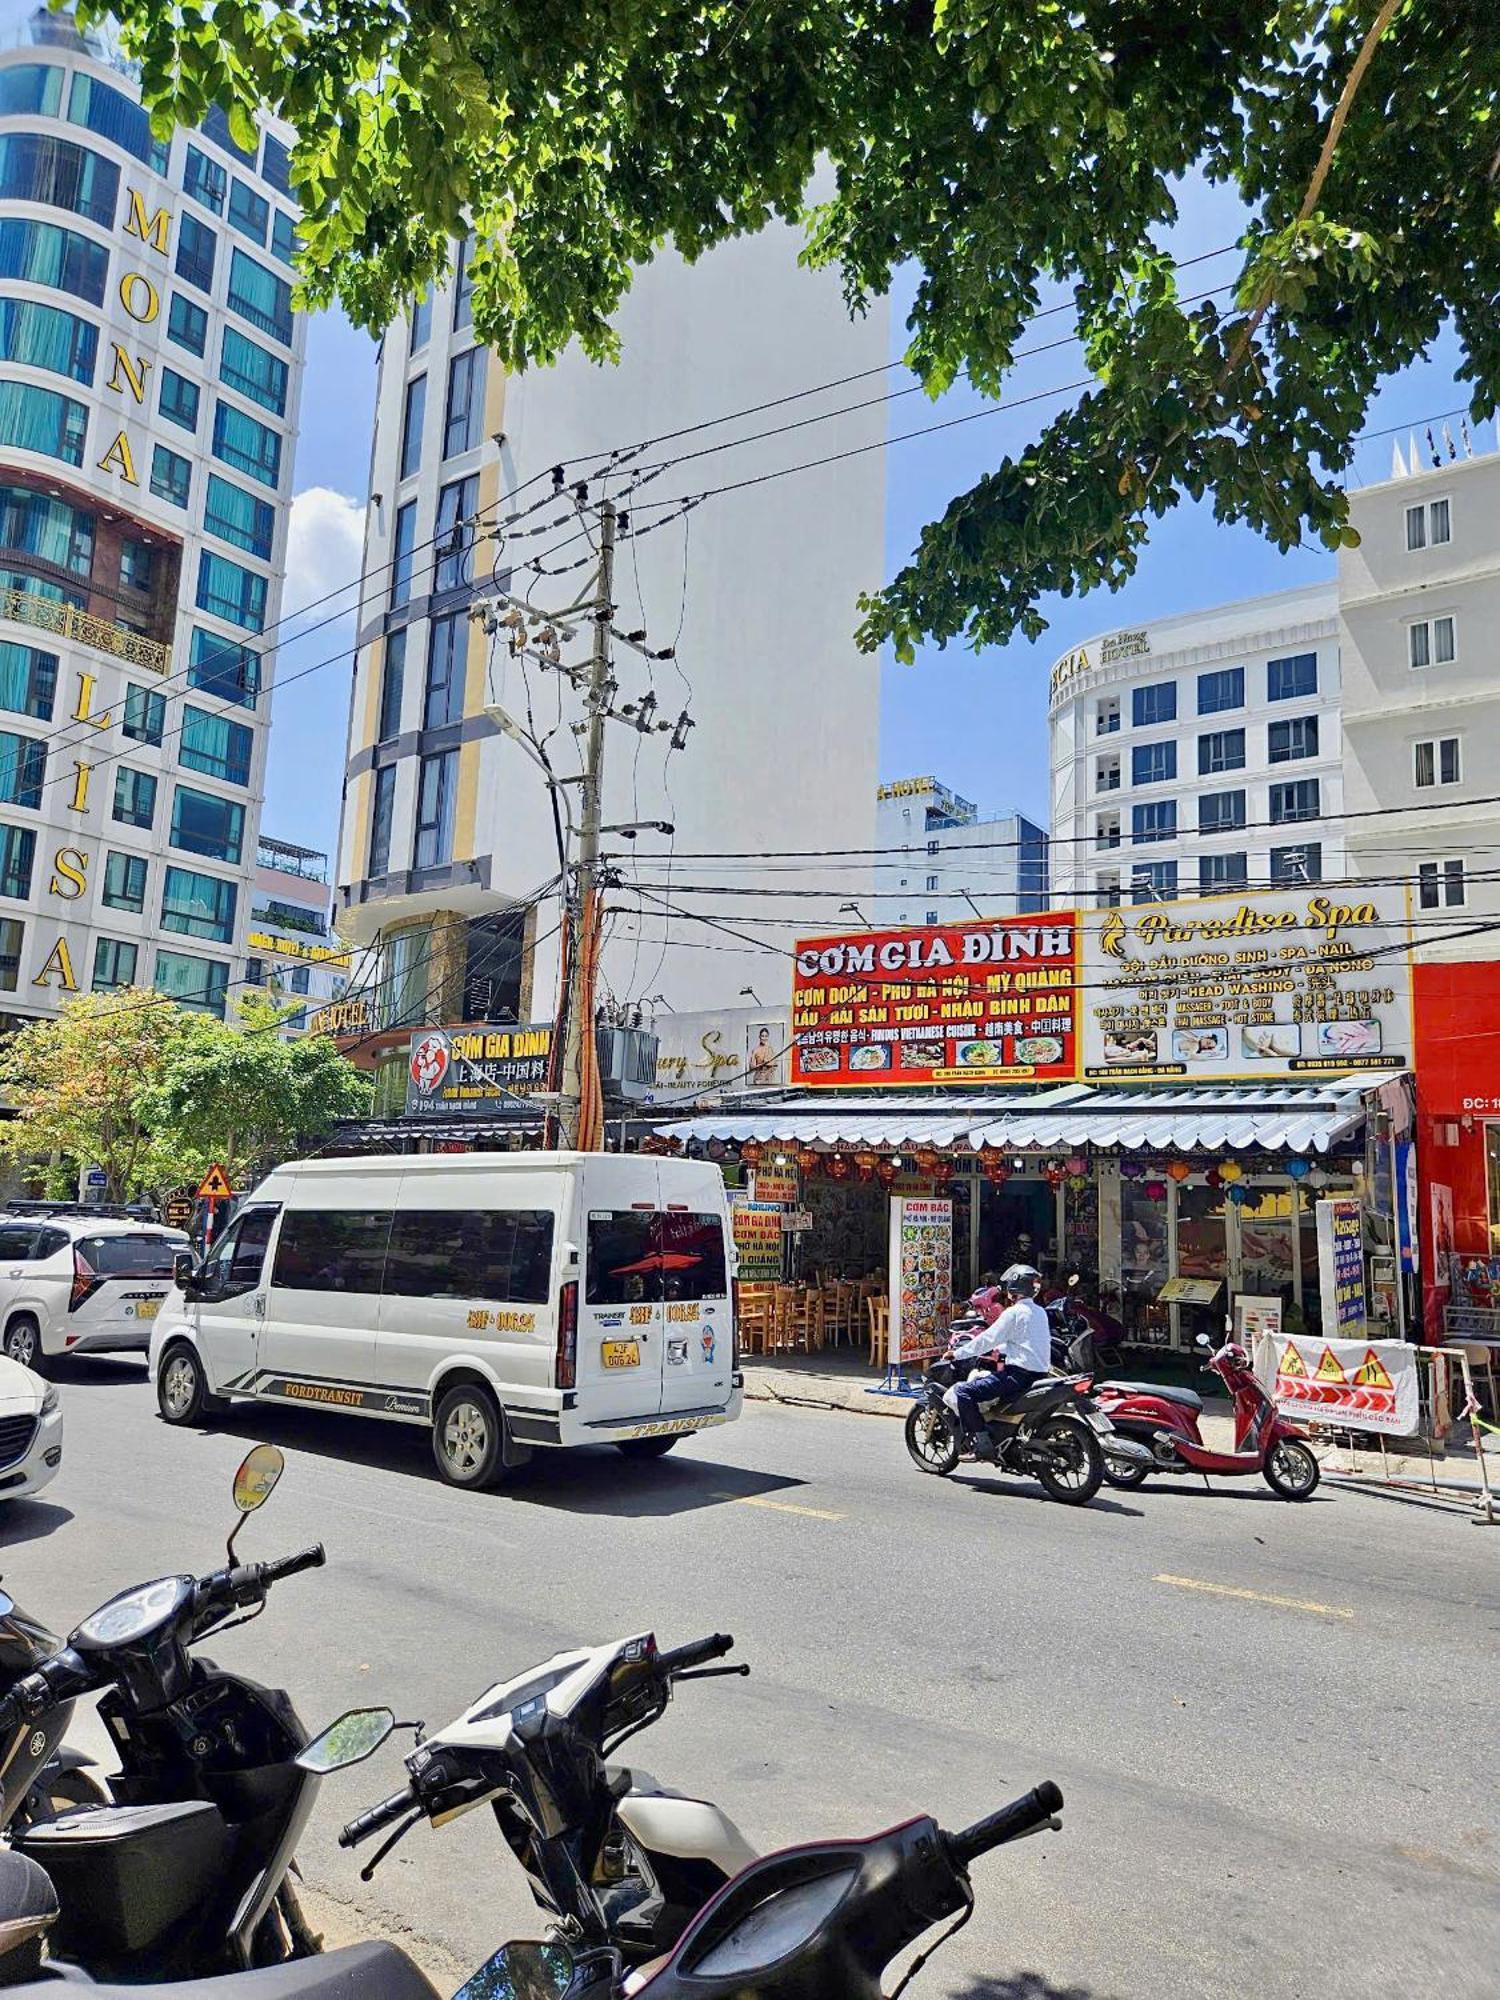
<point>1017,1224</point>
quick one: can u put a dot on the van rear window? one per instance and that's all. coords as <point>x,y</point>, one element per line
<point>331,1250</point>
<point>636,1255</point>
<point>131,1256</point>
<point>461,1254</point>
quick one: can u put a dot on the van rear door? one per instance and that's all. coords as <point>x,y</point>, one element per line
<point>698,1335</point>
<point>620,1305</point>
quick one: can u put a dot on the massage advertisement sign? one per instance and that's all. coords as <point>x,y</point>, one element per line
<point>994,1001</point>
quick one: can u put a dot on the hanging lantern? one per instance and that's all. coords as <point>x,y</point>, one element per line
<point>750,1153</point>
<point>1213,1178</point>
<point>1239,1195</point>
<point>864,1165</point>
<point>942,1169</point>
<point>716,1149</point>
<point>1297,1169</point>
<point>1078,1167</point>
<point>1231,1171</point>
<point>886,1171</point>
<point>1317,1177</point>
<point>1155,1190</point>
<point>808,1160</point>
<point>1078,1182</point>
<point>1054,1173</point>
<point>1179,1170</point>
<point>836,1166</point>
<point>926,1159</point>
<point>995,1167</point>
<point>1131,1170</point>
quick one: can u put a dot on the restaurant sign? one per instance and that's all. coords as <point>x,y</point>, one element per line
<point>462,1072</point>
<point>299,948</point>
<point>986,1002</point>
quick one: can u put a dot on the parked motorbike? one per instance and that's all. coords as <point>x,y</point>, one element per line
<point>1055,1431</point>
<point>1165,1421</point>
<point>40,1775</point>
<point>187,1871</point>
<point>808,1923</point>
<point>1084,1339</point>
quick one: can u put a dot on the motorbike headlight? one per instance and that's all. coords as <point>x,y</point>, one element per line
<point>49,1399</point>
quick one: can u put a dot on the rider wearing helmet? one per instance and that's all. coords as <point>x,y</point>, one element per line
<point>1020,1340</point>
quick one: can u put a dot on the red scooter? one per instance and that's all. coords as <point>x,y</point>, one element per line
<point>1165,1420</point>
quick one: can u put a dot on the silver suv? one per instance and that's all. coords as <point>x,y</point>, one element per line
<point>81,1283</point>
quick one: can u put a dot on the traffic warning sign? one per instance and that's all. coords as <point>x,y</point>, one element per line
<point>1291,1364</point>
<point>1329,1369</point>
<point>215,1185</point>
<point>1372,1372</point>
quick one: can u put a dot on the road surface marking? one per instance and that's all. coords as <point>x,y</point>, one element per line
<point>1256,1596</point>
<point>778,1506</point>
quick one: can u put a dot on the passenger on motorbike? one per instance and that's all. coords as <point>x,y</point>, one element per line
<point>1020,1340</point>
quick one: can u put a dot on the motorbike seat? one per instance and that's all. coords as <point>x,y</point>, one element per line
<point>1187,1399</point>
<point>372,1971</point>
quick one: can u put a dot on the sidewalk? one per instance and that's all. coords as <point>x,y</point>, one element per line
<point>842,1379</point>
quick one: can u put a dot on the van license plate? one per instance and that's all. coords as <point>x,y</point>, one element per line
<point>147,1308</point>
<point>622,1354</point>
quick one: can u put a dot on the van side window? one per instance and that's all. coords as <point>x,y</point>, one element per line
<point>18,1241</point>
<point>234,1264</point>
<point>692,1260</point>
<point>469,1254</point>
<point>621,1265</point>
<point>331,1250</point>
<point>50,1242</point>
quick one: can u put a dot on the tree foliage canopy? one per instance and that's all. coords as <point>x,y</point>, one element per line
<point>1000,145</point>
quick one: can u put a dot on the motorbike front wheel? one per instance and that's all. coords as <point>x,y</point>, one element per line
<point>1291,1470</point>
<point>932,1438</point>
<point>1070,1463</point>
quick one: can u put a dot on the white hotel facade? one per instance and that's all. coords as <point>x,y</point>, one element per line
<point>150,367</point>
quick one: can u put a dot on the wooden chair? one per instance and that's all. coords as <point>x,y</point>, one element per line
<point>755,1318</point>
<point>879,1311</point>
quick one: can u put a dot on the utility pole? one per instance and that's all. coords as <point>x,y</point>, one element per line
<point>579,1112</point>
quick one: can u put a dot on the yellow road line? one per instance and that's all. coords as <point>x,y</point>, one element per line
<point>1256,1596</point>
<point>778,1506</point>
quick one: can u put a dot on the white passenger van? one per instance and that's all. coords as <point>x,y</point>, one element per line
<point>507,1300</point>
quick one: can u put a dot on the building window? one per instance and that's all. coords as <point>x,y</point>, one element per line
<point>436,785</point>
<point>443,692</point>
<point>33,87</point>
<point>403,542</point>
<point>302,979</point>
<point>135,797</point>
<point>23,770</point>
<point>1221,750</point>
<point>1428,525</point>
<point>40,420</point>
<point>1107,891</point>
<point>1294,738</point>
<point>187,324</point>
<point>37,167</point>
<point>239,517</point>
<point>12,935</point>
<point>1295,801</point>
<point>1107,715</point>
<point>285,241</point>
<point>1107,830</point>
<point>260,297</point>
<point>421,321</point>
<point>116,117</point>
<point>931,917</point>
<point>463,285</point>
<point>411,427</point>
<point>224,667</point>
<point>41,336</point>
<point>200,906</point>
<point>1153,763</point>
<point>934,846</point>
<point>137,565</point>
<point>458,503</point>
<point>216,746</point>
<point>1153,822</point>
<point>1297,864</point>
<point>463,414</point>
<point>42,253</point>
<point>249,212</point>
<point>171,475</point>
<point>203,823</point>
<point>1153,881</point>
<point>1107,775</point>
<point>1440,885</point>
<point>1157,702</point>
<point>932,882</point>
<point>1221,690</point>
<point>380,820</point>
<point>114,964</point>
<point>196,244</point>
<point>1221,871</point>
<point>200,983</point>
<point>230,592</point>
<point>1221,812</point>
<point>216,127</point>
<point>145,718</point>
<point>247,444</point>
<point>276,165</point>
<point>253,371</point>
<point>35,524</point>
<point>204,180</point>
<point>28,678</point>
<point>178,401</point>
<point>255,972</point>
<point>125,882</point>
<point>1437,762</point>
<point>1292,679</point>
<point>392,683</point>
<point>1432,642</point>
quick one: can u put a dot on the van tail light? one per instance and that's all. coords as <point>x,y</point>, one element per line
<point>567,1336</point>
<point>734,1311</point>
<point>85,1282</point>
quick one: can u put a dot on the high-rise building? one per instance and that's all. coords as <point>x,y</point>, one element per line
<point>938,862</point>
<point>293,953</point>
<point>449,829</point>
<point>149,374</point>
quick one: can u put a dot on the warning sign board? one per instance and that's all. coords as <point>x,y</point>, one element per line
<point>215,1185</point>
<point>1347,1385</point>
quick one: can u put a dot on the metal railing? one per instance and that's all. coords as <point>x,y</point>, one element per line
<point>66,621</point>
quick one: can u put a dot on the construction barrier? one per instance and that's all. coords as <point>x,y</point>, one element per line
<point>1347,1385</point>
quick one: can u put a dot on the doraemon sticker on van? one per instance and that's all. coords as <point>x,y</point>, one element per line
<point>475,1070</point>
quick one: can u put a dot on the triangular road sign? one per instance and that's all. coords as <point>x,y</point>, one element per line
<point>1329,1369</point>
<point>1291,1363</point>
<point>215,1185</point>
<point>1372,1372</point>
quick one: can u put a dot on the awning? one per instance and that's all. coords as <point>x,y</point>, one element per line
<point>1290,1117</point>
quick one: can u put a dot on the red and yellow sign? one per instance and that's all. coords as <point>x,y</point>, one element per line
<point>987,1002</point>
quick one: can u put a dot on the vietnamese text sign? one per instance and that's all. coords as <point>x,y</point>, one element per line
<point>1291,983</point>
<point>286,947</point>
<point>757,1239</point>
<point>462,1072</point>
<point>1350,1385</point>
<point>921,1277</point>
<point>775,1184</point>
<point>986,1002</point>
<point>1341,1267</point>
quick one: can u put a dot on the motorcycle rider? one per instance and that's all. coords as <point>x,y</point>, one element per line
<point>1020,1340</point>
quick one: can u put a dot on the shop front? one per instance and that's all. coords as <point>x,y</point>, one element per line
<point>1457,1022</point>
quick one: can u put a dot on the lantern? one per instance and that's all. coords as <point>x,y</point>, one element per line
<point>1179,1170</point>
<point>996,1168</point>
<point>886,1171</point>
<point>1054,1173</point>
<point>1297,1169</point>
<point>1213,1178</point>
<point>864,1165</point>
<point>716,1149</point>
<point>942,1170</point>
<point>750,1153</point>
<point>1231,1171</point>
<point>1239,1195</point>
<point>1078,1167</point>
<point>926,1159</point>
<point>1078,1182</point>
<point>836,1166</point>
<point>1155,1190</point>
<point>1131,1170</point>
<point>808,1160</point>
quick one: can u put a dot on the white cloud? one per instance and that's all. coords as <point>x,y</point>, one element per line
<point>324,552</point>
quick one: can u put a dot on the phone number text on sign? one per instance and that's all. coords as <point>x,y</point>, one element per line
<point>961,1003</point>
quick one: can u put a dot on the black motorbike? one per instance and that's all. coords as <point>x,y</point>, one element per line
<point>40,1775</point>
<point>1054,1432</point>
<point>186,1872</point>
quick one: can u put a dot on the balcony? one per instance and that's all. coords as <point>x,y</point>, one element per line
<point>66,621</point>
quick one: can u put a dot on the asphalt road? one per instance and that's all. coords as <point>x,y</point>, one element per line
<point>1275,1725</point>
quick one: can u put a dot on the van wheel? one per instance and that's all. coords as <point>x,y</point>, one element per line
<point>650,1447</point>
<point>23,1343</point>
<point>468,1437</point>
<point>182,1392</point>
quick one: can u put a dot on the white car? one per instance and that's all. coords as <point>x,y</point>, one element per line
<point>31,1430</point>
<point>81,1283</point>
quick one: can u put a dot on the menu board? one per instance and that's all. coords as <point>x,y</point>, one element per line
<point>987,1002</point>
<point>756,1227</point>
<point>921,1277</point>
<point>1300,982</point>
<point>776,1184</point>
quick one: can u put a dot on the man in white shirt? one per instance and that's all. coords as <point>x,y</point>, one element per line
<point>1021,1341</point>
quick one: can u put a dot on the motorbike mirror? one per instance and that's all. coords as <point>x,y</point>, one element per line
<point>254,1483</point>
<point>1202,1340</point>
<point>7,1604</point>
<point>357,1734</point>
<point>522,1971</point>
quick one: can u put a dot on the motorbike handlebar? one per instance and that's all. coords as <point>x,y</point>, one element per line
<point>695,1654</point>
<point>285,1566</point>
<point>1021,1816</point>
<point>377,1817</point>
<point>55,1680</point>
